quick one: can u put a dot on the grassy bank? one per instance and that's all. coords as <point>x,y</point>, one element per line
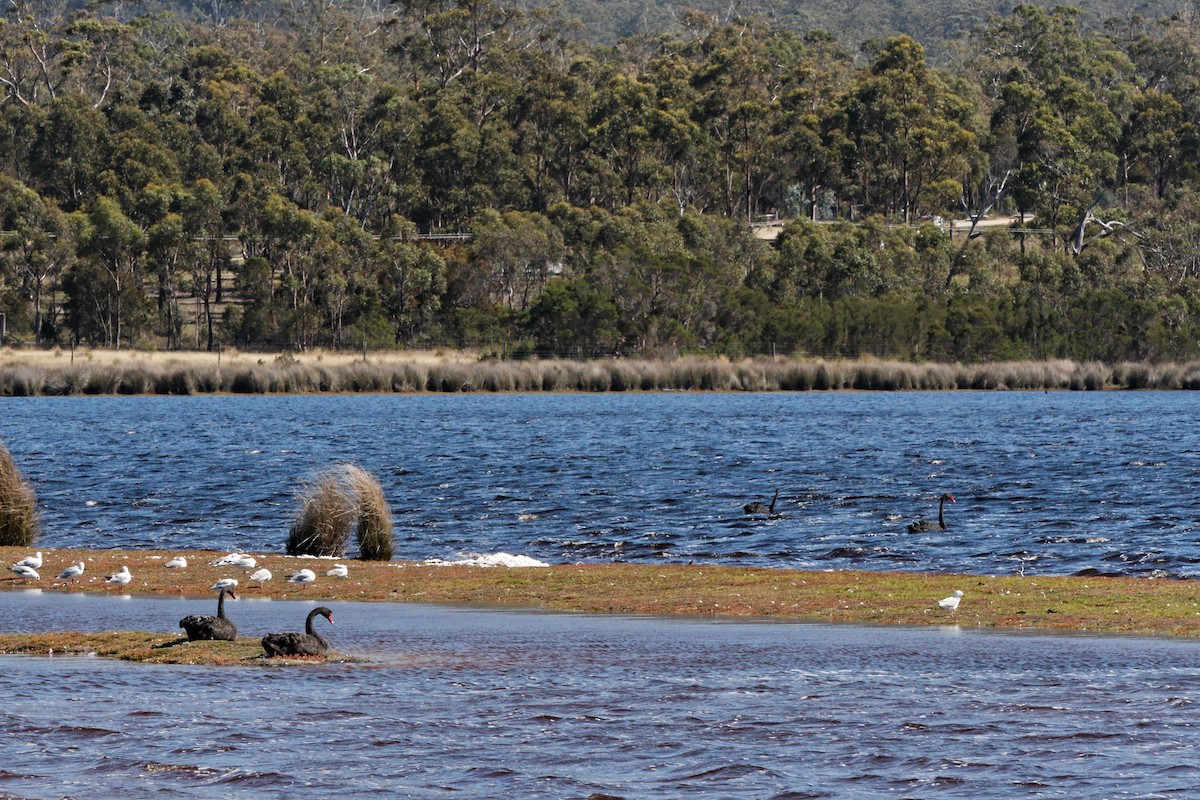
<point>33,373</point>
<point>1096,605</point>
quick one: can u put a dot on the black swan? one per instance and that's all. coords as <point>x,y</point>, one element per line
<point>758,508</point>
<point>308,643</point>
<point>925,525</point>
<point>202,626</point>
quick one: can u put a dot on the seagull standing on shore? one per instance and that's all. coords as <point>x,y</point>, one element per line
<point>228,584</point>
<point>120,578</point>
<point>26,572</point>
<point>31,561</point>
<point>951,603</point>
<point>261,576</point>
<point>71,572</point>
<point>304,577</point>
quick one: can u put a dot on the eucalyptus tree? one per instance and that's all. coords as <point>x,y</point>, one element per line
<point>106,292</point>
<point>909,135</point>
<point>36,246</point>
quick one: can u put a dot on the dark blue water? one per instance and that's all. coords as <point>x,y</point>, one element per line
<point>490,704</point>
<point>1046,483</point>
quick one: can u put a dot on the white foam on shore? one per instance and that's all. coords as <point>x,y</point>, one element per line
<point>488,560</point>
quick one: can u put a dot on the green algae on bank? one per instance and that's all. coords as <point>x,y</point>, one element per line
<point>1055,603</point>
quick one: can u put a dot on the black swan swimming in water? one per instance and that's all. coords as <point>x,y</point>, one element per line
<point>925,525</point>
<point>308,643</point>
<point>202,626</point>
<point>758,508</point>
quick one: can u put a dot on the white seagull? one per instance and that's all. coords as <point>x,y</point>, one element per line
<point>245,562</point>
<point>951,603</point>
<point>304,577</point>
<point>120,578</point>
<point>31,561</point>
<point>71,572</point>
<point>338,571</point>
<point>227,584</point>
<point>26,572</point>
<point>262,576</point>
<point>178,562</point>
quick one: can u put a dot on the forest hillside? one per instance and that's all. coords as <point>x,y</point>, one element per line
<point>458,173</point>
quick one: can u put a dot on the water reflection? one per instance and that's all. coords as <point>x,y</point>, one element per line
<point>486,703</point>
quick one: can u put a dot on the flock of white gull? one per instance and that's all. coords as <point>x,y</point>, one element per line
<point>200,627</point>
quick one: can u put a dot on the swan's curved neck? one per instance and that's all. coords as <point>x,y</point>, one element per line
<point>942,512</point>
<point>221,605</point>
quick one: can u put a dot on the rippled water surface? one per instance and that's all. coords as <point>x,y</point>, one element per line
<point>1046,482</point>
<point>489,704</point>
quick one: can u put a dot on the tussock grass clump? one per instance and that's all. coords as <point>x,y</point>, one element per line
<point>19,525</point>
<point>331,504</point>
<point>322,527</point>
<point>375,531</point>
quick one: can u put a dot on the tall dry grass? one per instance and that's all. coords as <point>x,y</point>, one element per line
<point>322,526</point>
<point>375,529</point>
<point>331,504</point>
<point>693,374</point>
<point>19,526</point>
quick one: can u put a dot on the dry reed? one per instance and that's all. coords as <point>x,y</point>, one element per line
<point>322,527</point>
<point>18,505</point>
<point>559,375</point>
<point>375,536</point>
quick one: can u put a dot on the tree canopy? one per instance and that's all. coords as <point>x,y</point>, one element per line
<point>463,173</point>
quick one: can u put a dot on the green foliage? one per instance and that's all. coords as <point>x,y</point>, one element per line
<point>187,185</point>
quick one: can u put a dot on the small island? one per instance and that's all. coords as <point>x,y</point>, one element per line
<point>1093,605</point>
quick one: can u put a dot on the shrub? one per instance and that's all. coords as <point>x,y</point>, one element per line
<point>18,506</point>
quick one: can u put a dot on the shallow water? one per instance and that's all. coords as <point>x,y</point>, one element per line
<point>1049,483</point>
<point>486,703</point>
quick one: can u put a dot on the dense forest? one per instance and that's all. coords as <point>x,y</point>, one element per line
<point>462,173</point>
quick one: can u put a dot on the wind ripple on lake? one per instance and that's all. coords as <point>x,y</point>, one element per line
<point>1104,483</point>
<point>494,704</point>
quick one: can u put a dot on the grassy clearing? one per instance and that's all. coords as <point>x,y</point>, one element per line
<point>1096,605</point>
<point>133,372</point>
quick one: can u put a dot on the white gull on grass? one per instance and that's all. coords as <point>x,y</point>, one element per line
<point>31,561</point>
<point>951,603</point>
<point>26,572</point>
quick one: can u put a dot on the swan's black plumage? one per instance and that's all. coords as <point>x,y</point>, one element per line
<point>924,526</point>
<point>309,643</point>
<point>202,626</point>
<point>758,508</point>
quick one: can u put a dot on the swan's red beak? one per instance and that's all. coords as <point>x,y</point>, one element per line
<point>952,500</point>
<point>233,594</point>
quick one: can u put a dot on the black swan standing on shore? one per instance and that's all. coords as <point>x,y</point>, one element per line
<point>308,643</point>
<point>204,627</point>
<point>758,508</point>
<point>925,525</point>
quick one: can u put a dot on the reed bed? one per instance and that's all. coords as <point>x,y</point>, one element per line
<point>690,374</point>
<point>375,528</point>
<point>19,526</point>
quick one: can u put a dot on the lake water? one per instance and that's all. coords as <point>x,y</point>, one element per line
<point>483,703</point>
<point>1046,483</point>
<point>488,704</point>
